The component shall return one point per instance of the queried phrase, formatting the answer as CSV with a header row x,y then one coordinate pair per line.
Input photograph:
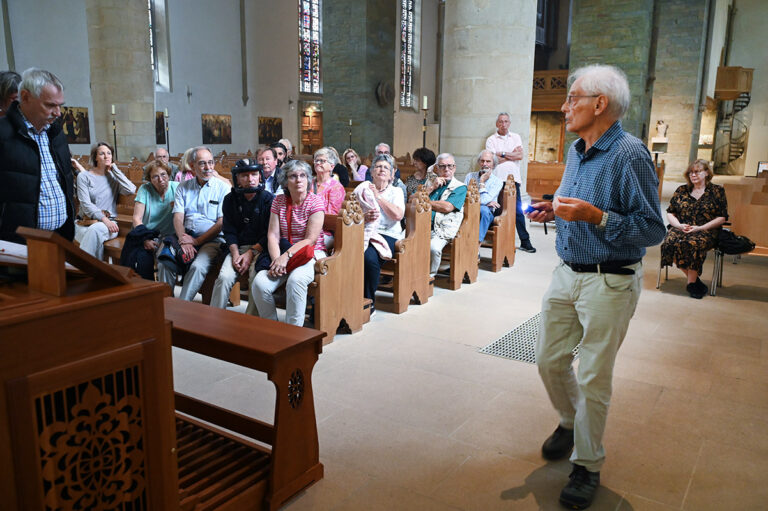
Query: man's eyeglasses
x,y
445,166
569,98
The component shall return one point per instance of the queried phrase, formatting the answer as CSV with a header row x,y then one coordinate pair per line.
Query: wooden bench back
x,y
338,284
748,210
463,248
543,179
410,263
502,231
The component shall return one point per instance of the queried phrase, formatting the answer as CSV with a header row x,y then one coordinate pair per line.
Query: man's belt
x,y
615,267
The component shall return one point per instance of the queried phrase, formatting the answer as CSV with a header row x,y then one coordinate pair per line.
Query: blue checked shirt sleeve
x,y
643,225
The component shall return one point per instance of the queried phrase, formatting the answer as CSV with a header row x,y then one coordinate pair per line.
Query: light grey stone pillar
x,y
487,69
121,75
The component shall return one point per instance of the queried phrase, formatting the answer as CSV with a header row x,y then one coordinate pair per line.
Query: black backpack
x,y
731,243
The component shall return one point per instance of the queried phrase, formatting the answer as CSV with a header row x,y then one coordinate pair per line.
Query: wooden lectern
x,y
87,416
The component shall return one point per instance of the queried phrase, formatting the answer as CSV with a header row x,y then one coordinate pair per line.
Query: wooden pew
x,y
462,250
748,212
501,235
543,179
287,354
104,383
409,267
338,285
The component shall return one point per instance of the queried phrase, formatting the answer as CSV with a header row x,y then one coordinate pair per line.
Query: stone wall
x,y
618,34
681,26
356,57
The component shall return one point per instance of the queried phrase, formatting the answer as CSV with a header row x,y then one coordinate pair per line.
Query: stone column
x,y
121,75
487,69
618,33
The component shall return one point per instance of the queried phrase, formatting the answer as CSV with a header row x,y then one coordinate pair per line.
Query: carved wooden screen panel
x,y
81,437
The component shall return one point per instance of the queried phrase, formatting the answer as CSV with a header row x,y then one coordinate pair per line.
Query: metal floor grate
x,y
519,343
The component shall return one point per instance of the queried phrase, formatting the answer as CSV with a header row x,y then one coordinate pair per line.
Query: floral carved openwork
x,y
296,388
91,444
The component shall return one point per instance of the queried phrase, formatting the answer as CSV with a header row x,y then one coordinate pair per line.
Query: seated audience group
x,y
267,223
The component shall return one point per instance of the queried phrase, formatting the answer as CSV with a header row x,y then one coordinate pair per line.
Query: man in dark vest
x,y
35,163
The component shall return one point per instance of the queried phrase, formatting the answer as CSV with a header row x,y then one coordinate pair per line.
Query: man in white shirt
x,y
197,219
508,148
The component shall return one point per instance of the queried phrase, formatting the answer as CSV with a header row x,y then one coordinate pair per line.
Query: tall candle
x,y
113,109
166,112
350,122
424,103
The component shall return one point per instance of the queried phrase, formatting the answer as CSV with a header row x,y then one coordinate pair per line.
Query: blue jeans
x,y
372,268
486,217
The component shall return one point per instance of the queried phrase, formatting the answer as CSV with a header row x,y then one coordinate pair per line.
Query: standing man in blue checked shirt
x,y
35,166
606,211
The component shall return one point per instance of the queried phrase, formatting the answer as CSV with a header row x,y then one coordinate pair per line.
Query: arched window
x,y
310,28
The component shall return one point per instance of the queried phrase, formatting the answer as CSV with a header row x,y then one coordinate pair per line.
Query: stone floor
x,y
411,416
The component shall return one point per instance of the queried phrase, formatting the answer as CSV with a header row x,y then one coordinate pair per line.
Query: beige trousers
x,y
593,309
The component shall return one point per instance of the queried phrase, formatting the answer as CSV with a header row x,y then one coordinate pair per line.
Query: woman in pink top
x,y
354,165
185,171
305,210
331,191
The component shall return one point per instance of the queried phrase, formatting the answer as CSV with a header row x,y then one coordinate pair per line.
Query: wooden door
x,y
311,131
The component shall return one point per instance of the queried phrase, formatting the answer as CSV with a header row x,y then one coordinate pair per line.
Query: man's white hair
x,y
609,81
33,80
444,156
493,156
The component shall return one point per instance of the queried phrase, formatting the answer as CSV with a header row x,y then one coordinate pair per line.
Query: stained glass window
x,y
407,8
151,36
309,46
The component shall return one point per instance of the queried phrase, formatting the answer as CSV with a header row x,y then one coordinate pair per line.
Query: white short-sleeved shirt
x,y
387,226
505,144
201,205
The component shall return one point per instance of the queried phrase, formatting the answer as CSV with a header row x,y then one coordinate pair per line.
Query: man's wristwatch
x,y
603,221
503,154
289,253
254,252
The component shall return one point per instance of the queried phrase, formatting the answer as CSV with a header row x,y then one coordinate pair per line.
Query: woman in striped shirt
x,y
296,221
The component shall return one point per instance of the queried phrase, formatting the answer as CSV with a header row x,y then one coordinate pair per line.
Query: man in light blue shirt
x,y
607,212
489,186
197,221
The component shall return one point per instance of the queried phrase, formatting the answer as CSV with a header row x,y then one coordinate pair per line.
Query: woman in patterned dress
x,y
695,213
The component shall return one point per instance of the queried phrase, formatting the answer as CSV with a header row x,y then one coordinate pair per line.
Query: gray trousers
x,y
296,283
195,276
436,246
226,280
